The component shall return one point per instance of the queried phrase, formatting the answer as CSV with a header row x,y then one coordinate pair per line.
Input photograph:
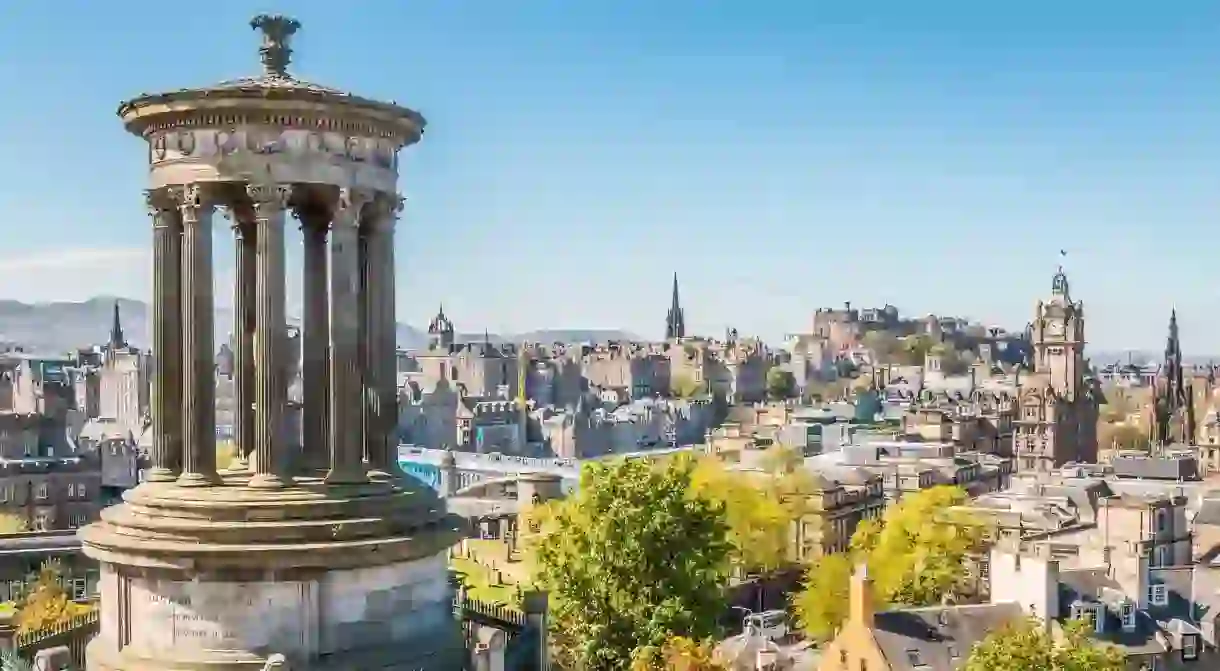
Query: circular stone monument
x,y
317,548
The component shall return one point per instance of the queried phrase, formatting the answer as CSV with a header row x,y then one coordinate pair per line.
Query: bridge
x,y
424,464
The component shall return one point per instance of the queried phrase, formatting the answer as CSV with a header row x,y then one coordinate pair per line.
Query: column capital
x,y
349,204
192,199
268,198
159,200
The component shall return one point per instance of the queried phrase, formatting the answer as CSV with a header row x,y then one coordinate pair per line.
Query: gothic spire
x,y
117,341
675,323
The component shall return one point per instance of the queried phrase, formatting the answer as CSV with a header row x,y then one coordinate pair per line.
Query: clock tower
x,y
1058,340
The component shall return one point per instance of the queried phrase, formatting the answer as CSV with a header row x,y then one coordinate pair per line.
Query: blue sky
x,y
779,156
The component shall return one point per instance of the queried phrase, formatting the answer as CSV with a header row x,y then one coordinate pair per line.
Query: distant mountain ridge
x,y
58,327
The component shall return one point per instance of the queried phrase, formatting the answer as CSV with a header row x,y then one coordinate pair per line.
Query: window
x,y
1161,522
80,590
81,491
71,490
1128,615
1190,647
843,658
914,658
953,653
42,491
1158,595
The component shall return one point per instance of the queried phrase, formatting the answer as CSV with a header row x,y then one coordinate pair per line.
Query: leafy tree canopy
x,y
822,605
1027,645
757,524
679,654
684,386
46,605
917,553
631,560
781,384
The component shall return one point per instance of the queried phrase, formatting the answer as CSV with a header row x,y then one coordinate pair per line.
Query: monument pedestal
x,y
331,577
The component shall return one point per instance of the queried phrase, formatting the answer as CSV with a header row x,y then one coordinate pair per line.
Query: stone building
x,y
834,503
44,481
1059,401
1173,403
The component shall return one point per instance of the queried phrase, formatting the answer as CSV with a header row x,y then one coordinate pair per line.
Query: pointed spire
x,y
675,323
117,341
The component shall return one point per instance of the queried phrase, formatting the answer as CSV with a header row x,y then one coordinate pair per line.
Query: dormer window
x,y
1128,616
1158,595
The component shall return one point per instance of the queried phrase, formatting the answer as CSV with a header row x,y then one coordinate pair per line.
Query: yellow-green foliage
x,y
226,452
631,560
917,554
1027,645
11,524
679,654
758,524
46,605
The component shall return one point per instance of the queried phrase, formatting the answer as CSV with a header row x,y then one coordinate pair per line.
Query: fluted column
x,y
270,386
198,354
245,235
346,399
380,334
315,341
166,454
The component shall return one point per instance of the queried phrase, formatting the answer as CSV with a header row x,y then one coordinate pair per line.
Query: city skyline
x,y
936,158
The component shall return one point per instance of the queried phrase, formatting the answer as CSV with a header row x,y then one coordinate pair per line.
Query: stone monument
x,y
327,554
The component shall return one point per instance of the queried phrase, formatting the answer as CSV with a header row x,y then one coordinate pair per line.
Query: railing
x,y
495,615
75,634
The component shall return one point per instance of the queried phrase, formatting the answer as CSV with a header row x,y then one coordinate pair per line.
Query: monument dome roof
x,y
274,86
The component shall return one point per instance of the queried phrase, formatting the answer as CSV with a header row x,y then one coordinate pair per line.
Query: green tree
x,y
631,560
679,654
885,346
920,551
683,386
46,605
821,605
915,349
781,384
1027,645
757,524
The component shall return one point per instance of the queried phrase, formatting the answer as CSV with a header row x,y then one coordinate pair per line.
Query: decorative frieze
x,y
207,143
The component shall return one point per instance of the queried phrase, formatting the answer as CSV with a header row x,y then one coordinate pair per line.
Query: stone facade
x,y
1059,402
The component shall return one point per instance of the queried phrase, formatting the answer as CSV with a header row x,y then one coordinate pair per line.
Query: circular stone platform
x,y
331,577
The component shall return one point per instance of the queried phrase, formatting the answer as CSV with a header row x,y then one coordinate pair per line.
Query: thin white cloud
x,y
69,259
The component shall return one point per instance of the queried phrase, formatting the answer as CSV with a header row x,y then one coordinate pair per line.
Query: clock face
x,y
1055,328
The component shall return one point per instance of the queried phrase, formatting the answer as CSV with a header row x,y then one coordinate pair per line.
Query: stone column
x,y
315,343
380,334
166,454
270,386
245,235
346,399
198,353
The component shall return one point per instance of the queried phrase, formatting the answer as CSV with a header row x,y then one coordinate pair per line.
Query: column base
x,y
349,578
160,475
268,481
198,479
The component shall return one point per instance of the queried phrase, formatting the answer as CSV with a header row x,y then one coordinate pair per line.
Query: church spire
x,y
117,341
675,323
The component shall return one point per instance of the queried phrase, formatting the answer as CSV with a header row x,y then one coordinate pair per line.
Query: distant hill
x,y
62,326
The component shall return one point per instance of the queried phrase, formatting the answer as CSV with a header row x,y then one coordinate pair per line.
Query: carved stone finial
x,y
276,52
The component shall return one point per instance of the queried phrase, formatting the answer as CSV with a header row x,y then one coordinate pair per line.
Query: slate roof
x,y
938,637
